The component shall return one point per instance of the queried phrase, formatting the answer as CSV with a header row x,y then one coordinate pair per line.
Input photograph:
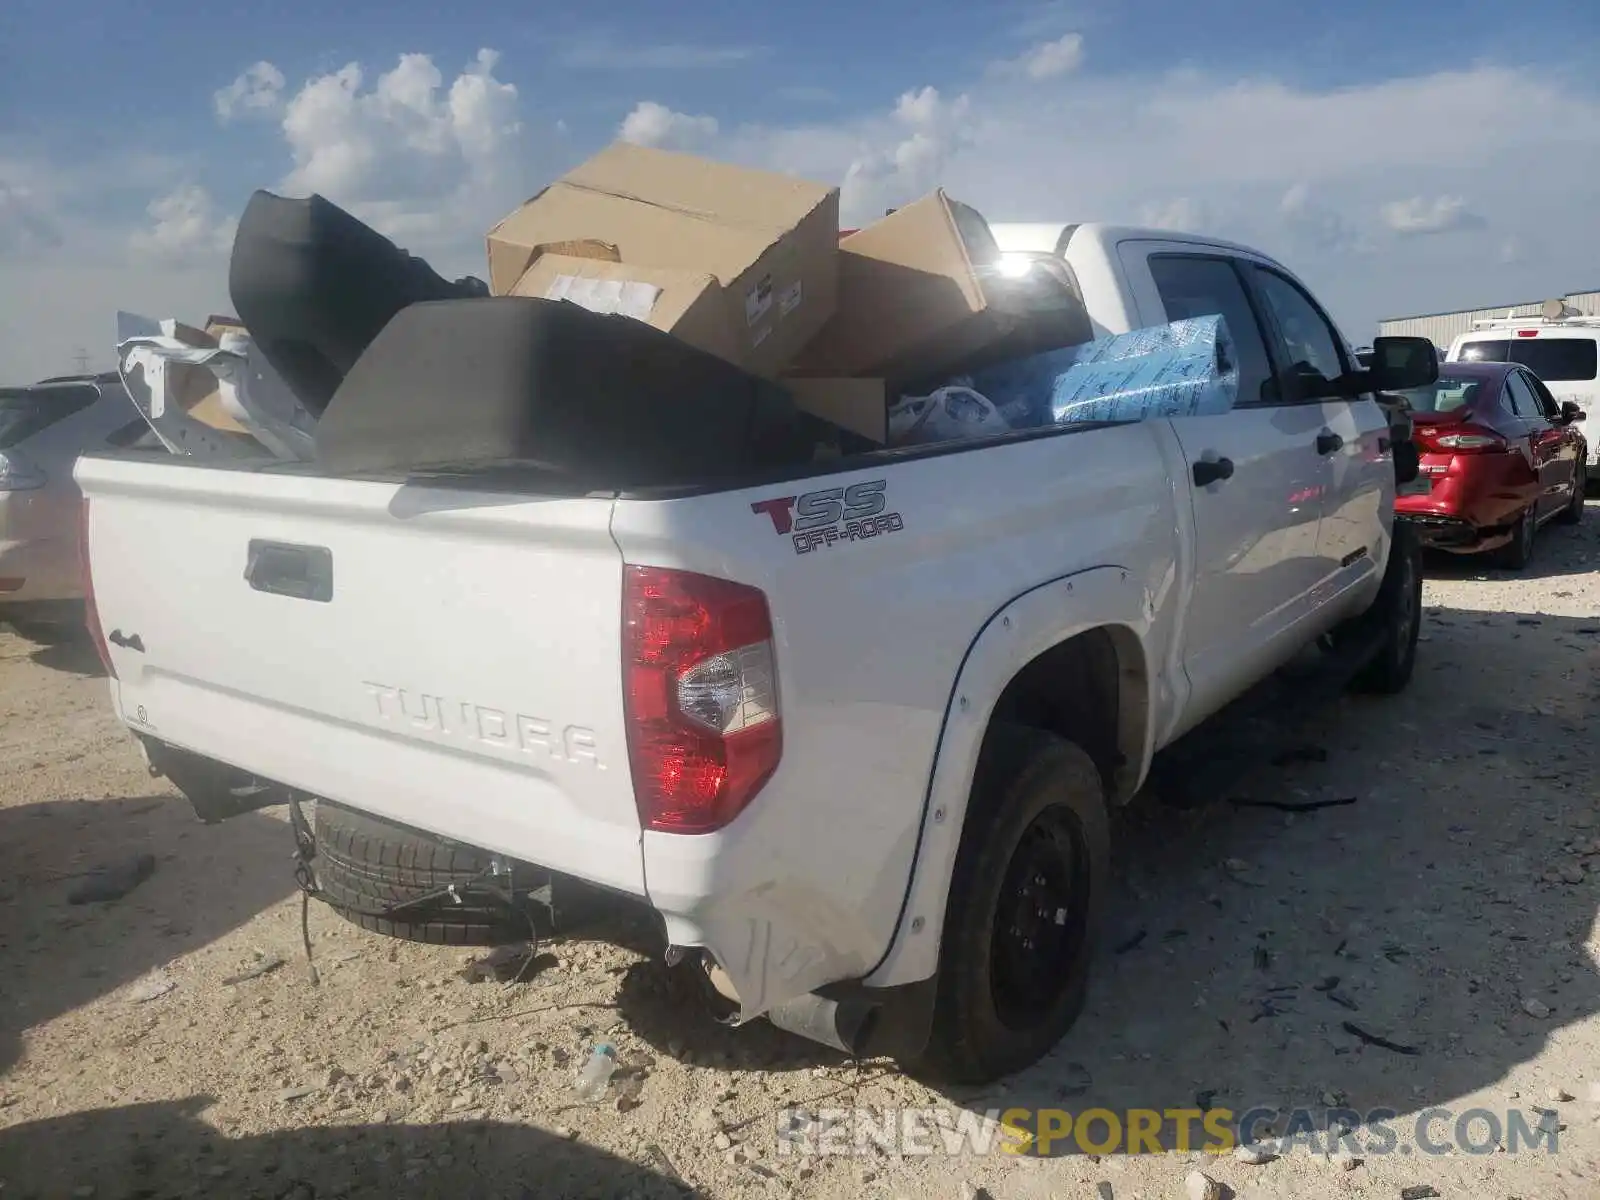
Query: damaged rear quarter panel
x,y
808,884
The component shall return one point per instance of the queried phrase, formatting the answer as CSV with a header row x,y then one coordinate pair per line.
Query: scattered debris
x,y
266,966
1200,1186
505,964
1256,1153
1419,1191
1326,984
114,881
152,987
1104,1191
1204,1100
1075,1080
1373,1039
1559,1095
1133,942
1343,1001
1536,1008
1295,806
289,1094
1344,1160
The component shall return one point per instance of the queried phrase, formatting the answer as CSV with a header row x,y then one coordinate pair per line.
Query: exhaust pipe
x,y
843,1025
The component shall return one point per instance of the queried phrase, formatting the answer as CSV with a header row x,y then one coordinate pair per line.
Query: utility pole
x,y
82,359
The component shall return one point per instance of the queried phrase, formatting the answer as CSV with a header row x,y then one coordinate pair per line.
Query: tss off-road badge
x,y
832,515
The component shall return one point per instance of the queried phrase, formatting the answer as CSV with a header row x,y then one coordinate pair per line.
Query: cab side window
x,y
1204,286
1521,396
1547,402
1305,337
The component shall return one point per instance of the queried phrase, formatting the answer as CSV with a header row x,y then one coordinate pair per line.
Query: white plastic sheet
x,y
150,357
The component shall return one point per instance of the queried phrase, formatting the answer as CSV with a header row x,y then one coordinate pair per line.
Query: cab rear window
x,y
1554,360
27,411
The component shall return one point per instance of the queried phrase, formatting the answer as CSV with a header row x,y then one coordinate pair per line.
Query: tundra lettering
x,y
428,714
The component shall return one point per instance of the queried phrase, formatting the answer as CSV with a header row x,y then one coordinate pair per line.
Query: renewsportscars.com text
x,y
1046,1131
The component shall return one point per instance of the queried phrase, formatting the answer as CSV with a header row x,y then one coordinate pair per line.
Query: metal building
x,y
1442,328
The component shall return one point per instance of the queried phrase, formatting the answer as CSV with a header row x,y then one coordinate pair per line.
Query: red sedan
x,y
1500,457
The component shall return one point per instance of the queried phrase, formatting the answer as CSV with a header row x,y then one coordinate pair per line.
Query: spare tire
x,y
365,866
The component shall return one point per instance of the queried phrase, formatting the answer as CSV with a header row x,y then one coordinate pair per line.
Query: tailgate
x,y
447,659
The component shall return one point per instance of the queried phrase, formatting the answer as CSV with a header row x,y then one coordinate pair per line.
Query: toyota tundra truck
x,y
854,734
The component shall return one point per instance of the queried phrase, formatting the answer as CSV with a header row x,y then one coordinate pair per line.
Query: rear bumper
x,y
39,570
1457,535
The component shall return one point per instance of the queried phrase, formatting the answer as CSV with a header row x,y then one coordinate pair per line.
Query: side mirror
x,y
1402,363
1570,412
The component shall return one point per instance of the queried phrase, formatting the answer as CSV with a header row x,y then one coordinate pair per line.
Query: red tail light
x,y
701,690
91,614
1459,439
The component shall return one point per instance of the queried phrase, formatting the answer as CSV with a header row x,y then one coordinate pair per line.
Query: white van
x,y
1562,347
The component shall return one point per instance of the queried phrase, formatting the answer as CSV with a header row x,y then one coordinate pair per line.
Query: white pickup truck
x,y
852,735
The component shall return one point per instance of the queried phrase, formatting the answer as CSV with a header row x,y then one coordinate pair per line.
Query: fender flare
x,y
1013,636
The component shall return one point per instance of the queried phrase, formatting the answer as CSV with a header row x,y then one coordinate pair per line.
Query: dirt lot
x,y
1454,900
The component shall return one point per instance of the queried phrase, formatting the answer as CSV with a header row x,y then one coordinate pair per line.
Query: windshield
x,y
1554,360
26,411
1444,395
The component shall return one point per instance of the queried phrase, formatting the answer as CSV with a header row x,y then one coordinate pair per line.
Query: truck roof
x,y
1051,237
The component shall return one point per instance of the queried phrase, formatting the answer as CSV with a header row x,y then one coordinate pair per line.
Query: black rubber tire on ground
x,y
1027,783
364,865
1572,514
1518,552
1398,613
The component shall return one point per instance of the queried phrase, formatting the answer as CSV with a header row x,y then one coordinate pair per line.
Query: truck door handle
x,y
1328,442
285,569
128,641
1212,470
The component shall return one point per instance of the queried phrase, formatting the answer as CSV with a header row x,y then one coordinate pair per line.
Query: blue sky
x,y
1401,156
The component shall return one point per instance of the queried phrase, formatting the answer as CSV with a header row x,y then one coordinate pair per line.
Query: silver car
x,y
44,427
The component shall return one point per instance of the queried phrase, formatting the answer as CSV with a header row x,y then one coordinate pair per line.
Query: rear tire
x,y
1398,612
1029,881
365,865
1518,552
1572,514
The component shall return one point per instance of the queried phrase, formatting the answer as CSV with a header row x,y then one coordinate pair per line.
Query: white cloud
x,y
1415,216
186,227
258,91
25,222
652,124
356,144
907,156
1046,60
1312,225
1183,214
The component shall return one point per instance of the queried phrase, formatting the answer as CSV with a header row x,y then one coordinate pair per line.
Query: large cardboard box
x,y
690,305
919,291
771,241
859,405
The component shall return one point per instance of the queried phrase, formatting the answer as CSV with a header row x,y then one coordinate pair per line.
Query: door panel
x,y
1256,564
1351,437
1544,442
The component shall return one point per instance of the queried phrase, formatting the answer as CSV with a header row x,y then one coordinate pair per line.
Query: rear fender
x,y
1102,598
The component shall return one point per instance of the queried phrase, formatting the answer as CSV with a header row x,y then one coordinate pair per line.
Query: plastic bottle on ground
x,y
595,1076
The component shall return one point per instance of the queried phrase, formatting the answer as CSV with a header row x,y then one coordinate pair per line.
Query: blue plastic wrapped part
x,y
1184,369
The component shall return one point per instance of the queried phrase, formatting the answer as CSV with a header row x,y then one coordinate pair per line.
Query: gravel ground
x,y
1454,900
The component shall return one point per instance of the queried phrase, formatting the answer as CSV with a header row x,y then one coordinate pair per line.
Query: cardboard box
x,y
859,405
770,241
919,291
686,304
